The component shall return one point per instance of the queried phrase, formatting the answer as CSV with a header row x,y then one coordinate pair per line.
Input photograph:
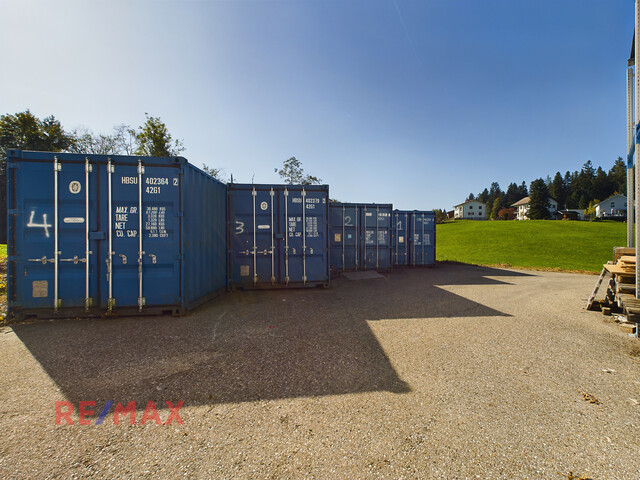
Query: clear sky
x,y
415,103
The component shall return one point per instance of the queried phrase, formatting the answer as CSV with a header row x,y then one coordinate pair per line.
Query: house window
x,y
613,204
470,207
470,213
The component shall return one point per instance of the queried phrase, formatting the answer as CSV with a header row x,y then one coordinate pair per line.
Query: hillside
x,y
542,244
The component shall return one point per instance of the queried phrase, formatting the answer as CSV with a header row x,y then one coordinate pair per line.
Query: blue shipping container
x,y
95,234
414,237
278,235
360,236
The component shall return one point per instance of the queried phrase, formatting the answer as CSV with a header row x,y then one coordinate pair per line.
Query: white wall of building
x,y
471,210
616,206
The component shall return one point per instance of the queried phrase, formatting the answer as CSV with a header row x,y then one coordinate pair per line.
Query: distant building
x,y
522,208
614,206
571,214
471,210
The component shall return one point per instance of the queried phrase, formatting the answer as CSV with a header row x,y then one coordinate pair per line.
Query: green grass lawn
x,y
545,244
3,251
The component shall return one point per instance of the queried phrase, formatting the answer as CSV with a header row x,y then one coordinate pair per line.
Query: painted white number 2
x,y
175,181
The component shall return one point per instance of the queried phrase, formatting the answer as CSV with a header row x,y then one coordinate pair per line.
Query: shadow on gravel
x,y
249,346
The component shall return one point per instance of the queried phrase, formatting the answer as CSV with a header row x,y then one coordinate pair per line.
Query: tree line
x,y
581,189
25,131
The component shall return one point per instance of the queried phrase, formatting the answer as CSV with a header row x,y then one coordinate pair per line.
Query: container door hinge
x,y
13,211
180,300
179,214
179,257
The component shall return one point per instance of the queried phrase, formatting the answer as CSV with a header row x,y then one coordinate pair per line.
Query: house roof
x,y
527,200
469,201
612,196
522,201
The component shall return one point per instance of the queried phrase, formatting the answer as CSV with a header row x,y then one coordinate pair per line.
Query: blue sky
x,y
415,103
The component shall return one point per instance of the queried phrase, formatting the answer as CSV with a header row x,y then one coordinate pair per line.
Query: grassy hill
x,y
561,245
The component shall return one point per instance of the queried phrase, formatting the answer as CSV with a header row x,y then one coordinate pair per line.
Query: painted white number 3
x,y
239,227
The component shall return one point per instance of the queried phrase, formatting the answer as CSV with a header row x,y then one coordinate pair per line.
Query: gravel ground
x,y
454,372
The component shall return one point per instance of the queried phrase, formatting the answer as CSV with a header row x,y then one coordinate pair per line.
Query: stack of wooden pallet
x,y
627,263
620,295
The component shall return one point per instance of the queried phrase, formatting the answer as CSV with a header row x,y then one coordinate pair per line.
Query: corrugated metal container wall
x,y
93,234
414,237
278,235
360,236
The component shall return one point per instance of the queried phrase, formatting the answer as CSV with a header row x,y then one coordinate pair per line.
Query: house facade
x,y
522,208
614,206
471,210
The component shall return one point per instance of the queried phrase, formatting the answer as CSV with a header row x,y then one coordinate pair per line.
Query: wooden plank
x,y
625,288
628,259
617,270
620,251
595,289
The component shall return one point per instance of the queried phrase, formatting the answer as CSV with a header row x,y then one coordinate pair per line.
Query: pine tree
x,y
539,200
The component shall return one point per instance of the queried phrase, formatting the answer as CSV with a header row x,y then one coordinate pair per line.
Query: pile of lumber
x,y
620,294
627,263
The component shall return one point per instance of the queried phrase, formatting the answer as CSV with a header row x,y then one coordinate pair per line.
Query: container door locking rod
x,y
57,167
111,302
141,299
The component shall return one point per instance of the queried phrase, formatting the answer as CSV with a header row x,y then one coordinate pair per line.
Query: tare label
x,y
125,219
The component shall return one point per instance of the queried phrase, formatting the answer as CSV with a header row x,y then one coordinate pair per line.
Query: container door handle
x,y
75,260
44,260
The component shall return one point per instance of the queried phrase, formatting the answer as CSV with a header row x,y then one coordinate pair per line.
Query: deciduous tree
x,y
293,173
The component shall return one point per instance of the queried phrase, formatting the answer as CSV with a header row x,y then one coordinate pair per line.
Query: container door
x,y
400,238
423,238
293,259
344,237
58,214
252,236
143,233
77,256
314,236
377,237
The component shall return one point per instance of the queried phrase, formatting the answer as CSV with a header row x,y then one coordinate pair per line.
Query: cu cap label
x,y
75,187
